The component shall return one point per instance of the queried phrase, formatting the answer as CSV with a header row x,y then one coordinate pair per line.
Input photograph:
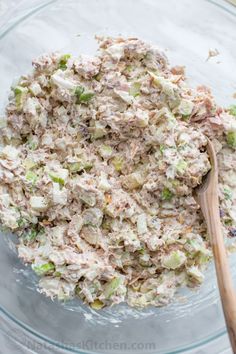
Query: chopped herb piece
x,y
166,194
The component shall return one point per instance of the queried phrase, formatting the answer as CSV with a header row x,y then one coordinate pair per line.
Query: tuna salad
x,y
99,158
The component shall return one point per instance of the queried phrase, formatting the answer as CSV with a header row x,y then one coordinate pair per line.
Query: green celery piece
x,y
129,68
97,304
186,116
86,96
135,89
57,179
228,222
77,290
21,222
111,287
78,91
57,274
228,193
166,194
20,93
106,224
29,164
18,90
80,166
105,151
174,260
75,167
31,177
231,139
98,77
141,250
118,162
32,145
44,268
82,95
232,110
63,61
181,166
162,148
31,235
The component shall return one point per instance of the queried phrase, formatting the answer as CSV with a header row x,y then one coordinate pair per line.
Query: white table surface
x,y
7,346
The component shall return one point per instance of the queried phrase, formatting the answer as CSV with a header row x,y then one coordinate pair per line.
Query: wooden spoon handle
x,y
210,208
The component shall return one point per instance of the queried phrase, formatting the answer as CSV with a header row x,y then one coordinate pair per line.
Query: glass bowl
x,y
186,29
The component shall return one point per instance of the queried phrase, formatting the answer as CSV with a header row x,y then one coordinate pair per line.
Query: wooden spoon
x,y
207,197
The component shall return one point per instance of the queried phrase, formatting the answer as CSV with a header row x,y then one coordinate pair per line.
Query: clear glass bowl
x,y
187,29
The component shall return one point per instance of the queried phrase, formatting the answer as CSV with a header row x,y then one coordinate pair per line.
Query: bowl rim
x,y
7,26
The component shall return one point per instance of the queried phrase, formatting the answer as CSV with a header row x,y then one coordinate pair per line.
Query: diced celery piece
x,y
80,166
167,87
99,130
232,110
228,193
20,96
185,107
63,61
162,148
111,287
231,139
196,274
31,235
86,96
129,68
59,176
105,151
78,91
181,166
21,222
98,77
135,89
186,116
118,163
77,290
166,194
173,260
32,144
57,274
97,304
29,164
82,95
44,268
57,179
31,177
